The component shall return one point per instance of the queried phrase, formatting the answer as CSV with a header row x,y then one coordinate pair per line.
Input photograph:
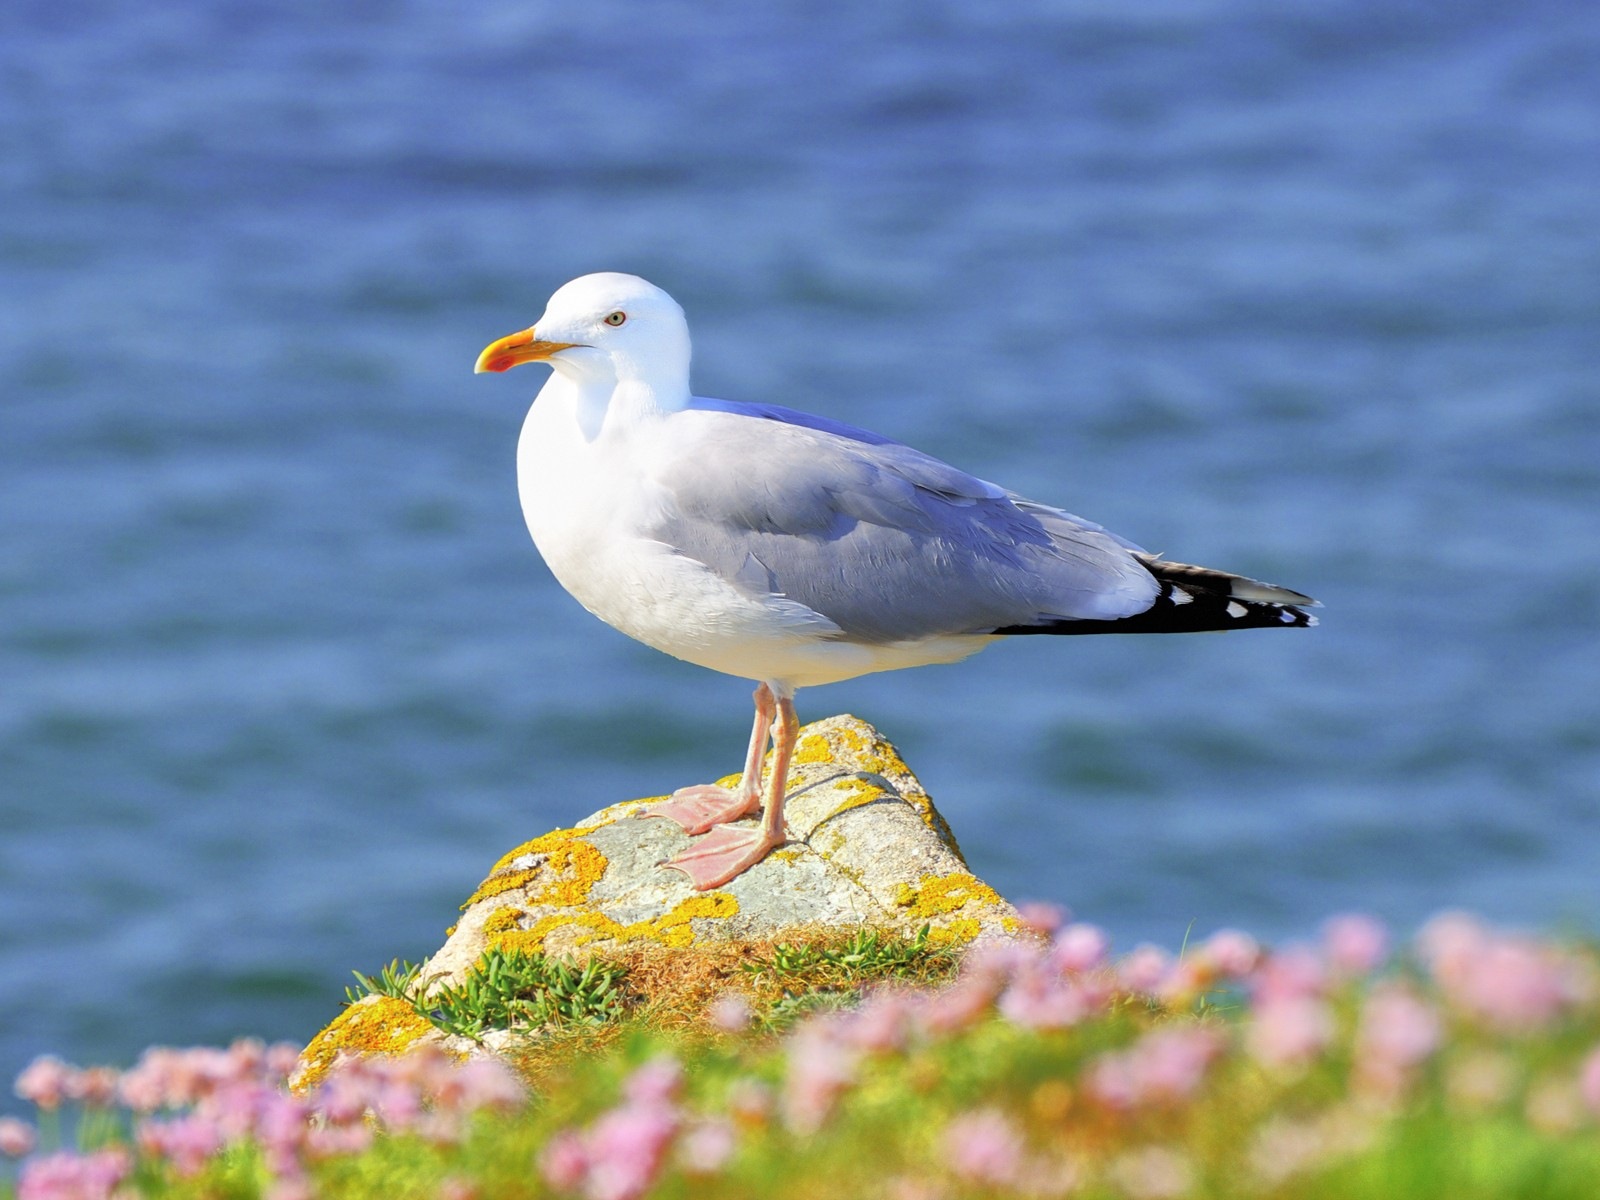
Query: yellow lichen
x,y
376,1025
859,792
936,895
669,929
962,929
571,865
502,920
813,748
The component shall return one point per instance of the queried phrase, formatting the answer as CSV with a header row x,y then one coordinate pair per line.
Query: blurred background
x,y
1305,290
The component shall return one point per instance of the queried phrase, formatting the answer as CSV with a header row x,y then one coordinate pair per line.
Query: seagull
x,y
795,550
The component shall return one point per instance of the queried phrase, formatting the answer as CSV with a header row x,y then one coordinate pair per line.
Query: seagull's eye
x,y
616,318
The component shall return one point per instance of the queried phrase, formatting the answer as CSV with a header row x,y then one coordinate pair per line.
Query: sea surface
x,y
1305,290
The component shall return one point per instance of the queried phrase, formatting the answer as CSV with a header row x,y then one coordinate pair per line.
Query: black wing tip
x,y
1178,609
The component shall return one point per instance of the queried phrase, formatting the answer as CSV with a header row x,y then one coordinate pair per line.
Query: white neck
x,y
610,391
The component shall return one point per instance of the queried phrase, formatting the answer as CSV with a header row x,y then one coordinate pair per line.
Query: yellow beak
x,y
516,349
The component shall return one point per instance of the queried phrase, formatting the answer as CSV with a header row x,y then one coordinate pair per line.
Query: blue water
x,y
1309,291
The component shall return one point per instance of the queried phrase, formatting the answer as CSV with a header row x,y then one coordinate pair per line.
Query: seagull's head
x,y
604,328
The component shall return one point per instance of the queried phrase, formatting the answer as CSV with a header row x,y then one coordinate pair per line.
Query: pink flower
x,y
68,1176
1080,947
1296,972
707,1147
1041,917
93,1086
659,1081
731,1013
1165,1066
992,961
337,1141
1397,1027
1036,1000
1589,1081
882,1023
1289,1032
1145,970
187,1143
984,1148
1449,943
16,1137
821,1069
564,1162
959,1006
43,1082
1510,983
1231,954
1398,1031
478,1083
1355,944
625,1149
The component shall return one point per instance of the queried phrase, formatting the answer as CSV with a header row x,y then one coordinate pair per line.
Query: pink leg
x,y
700,807
729,850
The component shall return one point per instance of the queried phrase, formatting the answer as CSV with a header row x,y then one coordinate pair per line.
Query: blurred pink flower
x,y
43,1082
1354,944
1232,954
1040,1000
984,1147
95,1087
564,1162
1589,1081
68,1176
1041,917
1080,947
993,961
1398,1032
185,1142
625,1149
1449,943
338,1141
820,1071
658,1081
731,1013
962,1004
478,1083
1144,970
16,1137
707,1146
288,1187
1510,983
1165,1066
882,1022
1295,972
1289,1031
1397,1027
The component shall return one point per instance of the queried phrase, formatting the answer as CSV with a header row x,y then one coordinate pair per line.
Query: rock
x,y
867,848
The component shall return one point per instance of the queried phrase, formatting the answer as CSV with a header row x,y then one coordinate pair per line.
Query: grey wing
x,y
887,542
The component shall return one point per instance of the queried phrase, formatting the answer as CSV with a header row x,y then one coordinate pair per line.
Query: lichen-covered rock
x,y
866,847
